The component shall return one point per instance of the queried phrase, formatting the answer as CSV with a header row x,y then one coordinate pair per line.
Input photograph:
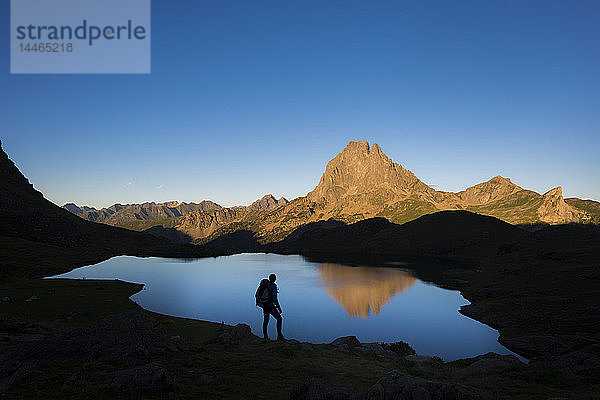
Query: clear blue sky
x,y
254,97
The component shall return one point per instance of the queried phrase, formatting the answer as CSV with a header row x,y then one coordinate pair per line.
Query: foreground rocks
x,y
491,363
572,352
129,338
146,377
396,385
235,333
348,343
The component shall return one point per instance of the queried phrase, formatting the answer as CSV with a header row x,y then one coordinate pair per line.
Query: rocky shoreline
x,y
124,351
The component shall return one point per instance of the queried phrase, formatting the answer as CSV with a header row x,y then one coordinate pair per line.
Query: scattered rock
x,y
398,385
317,391
129,337
225,337
71,382
586,358
374,348
57,324
180,343
350,341
420,393
240,331
16,373
490,363
545,345
432,367
149,377
27,337
343,347
307,347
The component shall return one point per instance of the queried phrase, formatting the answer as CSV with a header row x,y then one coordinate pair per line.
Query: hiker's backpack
x,y
262,293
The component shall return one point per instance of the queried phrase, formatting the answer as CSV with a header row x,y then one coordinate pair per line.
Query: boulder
x,y
350,341
237,332
490,363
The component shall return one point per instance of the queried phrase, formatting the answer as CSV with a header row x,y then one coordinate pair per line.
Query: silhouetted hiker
x,y
266,297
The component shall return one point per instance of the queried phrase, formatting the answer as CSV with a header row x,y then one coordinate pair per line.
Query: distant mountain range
x,y
38,238
360,182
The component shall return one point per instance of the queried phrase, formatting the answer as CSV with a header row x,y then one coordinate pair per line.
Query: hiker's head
x,y
272,278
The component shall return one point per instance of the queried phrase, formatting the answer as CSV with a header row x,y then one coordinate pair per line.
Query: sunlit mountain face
x,y
363,291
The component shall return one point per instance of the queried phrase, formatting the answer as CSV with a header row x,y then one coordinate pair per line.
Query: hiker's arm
x,y
273,290
276,300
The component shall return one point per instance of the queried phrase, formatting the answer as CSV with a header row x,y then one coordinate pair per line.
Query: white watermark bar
x,y
80,36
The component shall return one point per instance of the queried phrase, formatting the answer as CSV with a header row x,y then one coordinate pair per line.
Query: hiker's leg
x,y
266,316
279,322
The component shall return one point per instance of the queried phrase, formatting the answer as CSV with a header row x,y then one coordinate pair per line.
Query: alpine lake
x,y
320,301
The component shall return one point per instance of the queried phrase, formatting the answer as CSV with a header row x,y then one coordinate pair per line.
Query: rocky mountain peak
x,y
362,149
267,203
554,209
361,169
501,179
554,193
492,190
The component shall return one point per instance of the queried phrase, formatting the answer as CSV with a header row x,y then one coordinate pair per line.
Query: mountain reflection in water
x,y
360,290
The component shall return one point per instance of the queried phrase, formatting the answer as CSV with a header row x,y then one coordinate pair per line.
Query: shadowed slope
x,y
37,237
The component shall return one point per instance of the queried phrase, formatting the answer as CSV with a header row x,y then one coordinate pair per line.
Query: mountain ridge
x,y
358,183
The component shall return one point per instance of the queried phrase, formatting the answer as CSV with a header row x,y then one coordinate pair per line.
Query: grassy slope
x,y
142,225
518,208
590,206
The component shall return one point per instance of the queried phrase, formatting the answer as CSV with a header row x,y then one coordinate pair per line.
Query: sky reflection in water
x,y
320,301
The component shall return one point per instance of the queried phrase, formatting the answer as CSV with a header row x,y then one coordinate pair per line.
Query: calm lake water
x,y
320,301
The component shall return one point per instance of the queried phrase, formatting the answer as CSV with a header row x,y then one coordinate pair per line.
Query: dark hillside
x,y
446,233
37,237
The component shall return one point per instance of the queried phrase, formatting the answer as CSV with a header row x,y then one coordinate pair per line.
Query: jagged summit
x,y
556,192
554,209
359,169
360,182
267,203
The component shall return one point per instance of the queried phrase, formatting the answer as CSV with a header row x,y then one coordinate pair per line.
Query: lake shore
x,y
212,367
